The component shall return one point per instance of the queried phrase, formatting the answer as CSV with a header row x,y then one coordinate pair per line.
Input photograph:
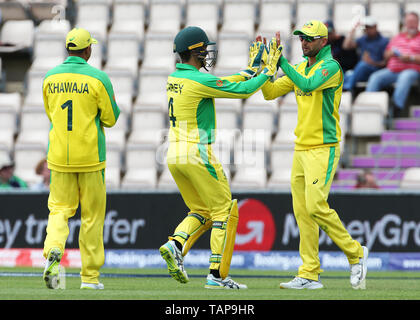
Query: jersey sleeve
x,y
280,87
329,75
109,111
45,99
234,78
215,87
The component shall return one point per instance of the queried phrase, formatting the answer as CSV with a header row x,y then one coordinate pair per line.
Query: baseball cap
x,y
312,28
369,21
5,161
190,38
81,39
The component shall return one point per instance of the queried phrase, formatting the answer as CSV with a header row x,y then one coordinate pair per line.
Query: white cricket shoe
x,y
358,271
301,283
226,283
92,286
174,260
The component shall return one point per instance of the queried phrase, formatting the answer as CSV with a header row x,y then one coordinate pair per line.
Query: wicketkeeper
x,y
196,170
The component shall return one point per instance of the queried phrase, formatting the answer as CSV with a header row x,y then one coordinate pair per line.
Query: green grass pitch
x,y
147,284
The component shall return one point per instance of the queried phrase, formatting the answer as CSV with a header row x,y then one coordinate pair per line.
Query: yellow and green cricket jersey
x,y
191,96
318,91
79,101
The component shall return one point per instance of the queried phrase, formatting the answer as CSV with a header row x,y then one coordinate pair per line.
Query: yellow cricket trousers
x,y
205,190
67,189
312,174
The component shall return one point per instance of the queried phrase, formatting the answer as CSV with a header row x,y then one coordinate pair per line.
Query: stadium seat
x,y
94,16
139,178
26,158
113,158
113,167
307,10
227,124
223,152
281,156
257,99
158,52
275,15
287,120
34,127
140,156
388,13
166,181
148,126
226,117
123,85
279,179
112,178
239,16
165,16
369,112
13,10
45,10
411,179
49,51
18,32
33,90
411,5
140,167
259,122
97,55
204,14
123,53
249,178
152,89
116,136
60,27
8,127
249,154
346,13
295,54
233,51
13,100
129,16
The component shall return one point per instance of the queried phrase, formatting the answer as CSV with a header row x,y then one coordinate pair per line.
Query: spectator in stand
x,y
347,58
402,56
371,48
366,180
7,178
42,170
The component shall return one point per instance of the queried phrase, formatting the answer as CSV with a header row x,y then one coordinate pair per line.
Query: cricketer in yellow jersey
x,y
317,83
196,170
79,101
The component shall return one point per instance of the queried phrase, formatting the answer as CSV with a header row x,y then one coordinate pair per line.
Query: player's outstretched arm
x,y
326,76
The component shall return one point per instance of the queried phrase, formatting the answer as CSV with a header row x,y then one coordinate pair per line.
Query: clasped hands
x,y
263,59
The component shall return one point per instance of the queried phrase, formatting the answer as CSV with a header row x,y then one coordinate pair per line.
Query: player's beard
x,y
312,52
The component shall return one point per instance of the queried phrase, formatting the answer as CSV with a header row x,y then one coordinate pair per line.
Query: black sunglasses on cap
x,y
309,39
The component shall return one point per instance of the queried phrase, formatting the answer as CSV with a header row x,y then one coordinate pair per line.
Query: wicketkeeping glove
x,y
273,59
256,51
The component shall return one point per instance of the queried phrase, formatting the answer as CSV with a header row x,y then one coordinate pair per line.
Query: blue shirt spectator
x,y
371,48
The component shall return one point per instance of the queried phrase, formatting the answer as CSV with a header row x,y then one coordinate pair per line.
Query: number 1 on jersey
x,y
69,105
172,118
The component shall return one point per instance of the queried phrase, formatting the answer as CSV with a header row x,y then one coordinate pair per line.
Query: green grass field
x,y
146,284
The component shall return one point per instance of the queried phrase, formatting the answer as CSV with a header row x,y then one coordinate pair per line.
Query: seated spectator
x,y
366,180
346,58
371,48
402,56
42,170
7,179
